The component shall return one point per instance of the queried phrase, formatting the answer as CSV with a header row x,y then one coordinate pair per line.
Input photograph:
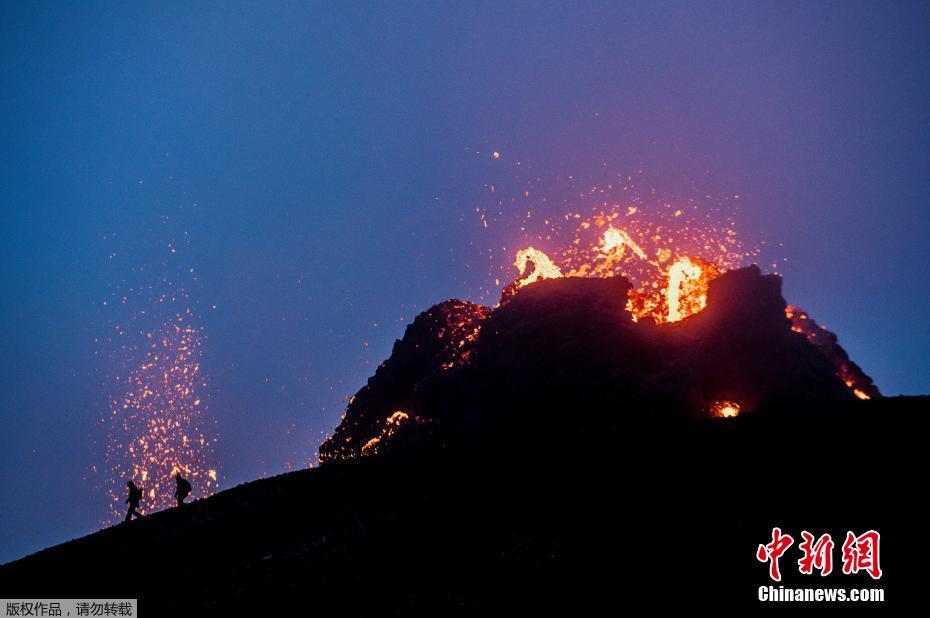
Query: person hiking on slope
x,y
135,495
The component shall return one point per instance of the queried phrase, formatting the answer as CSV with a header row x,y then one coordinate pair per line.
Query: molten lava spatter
x,y
159,426
725,409
463,323
156,411
391,425
543,267
670,261
670,275
687,288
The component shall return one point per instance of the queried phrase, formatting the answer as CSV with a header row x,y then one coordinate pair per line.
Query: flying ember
x,y
158,424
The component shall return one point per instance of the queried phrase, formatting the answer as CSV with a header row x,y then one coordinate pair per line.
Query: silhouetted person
x,y
183,490
135,494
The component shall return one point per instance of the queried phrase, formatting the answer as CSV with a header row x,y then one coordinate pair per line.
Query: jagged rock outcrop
x,y
562,355
439,339
828,343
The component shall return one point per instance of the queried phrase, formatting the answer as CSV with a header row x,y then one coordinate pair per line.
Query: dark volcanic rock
x,y
437,340
828,343
741,347
563,355
623,515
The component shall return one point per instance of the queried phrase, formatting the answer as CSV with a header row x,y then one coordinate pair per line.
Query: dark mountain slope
x,y
550,454
663,515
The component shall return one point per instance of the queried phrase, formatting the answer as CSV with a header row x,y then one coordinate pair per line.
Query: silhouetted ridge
x,y
437,340
561,355
827,342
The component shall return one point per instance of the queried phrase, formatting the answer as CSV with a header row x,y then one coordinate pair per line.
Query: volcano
x,y
563,355
552,452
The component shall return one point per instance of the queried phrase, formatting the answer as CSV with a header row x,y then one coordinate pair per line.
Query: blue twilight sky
x,y
320,166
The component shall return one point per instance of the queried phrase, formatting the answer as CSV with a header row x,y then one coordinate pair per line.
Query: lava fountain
x,y
159,427
669,267
670,260
725,409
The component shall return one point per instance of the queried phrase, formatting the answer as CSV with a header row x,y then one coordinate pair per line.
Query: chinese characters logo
x,y
859,553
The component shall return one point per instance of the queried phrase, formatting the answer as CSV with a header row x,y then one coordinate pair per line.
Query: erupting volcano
x,y
657,319
463,309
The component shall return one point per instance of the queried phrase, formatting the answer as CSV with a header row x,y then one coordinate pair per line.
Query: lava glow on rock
x,y
725,409
848,371
391,425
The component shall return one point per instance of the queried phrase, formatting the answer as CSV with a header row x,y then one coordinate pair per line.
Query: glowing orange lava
x,y
725,409
616,241
669,285
463,325
391,425
543,266
682,275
